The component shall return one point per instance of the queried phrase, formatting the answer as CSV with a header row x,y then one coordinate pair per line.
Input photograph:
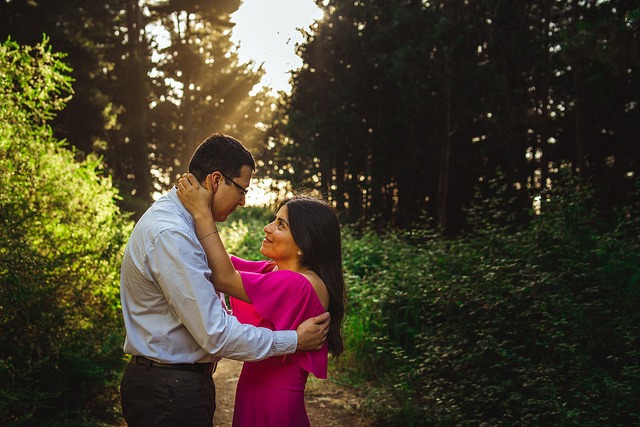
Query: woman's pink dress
x,y
271,392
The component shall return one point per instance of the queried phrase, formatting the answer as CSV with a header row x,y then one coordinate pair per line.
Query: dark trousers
x,y
154,397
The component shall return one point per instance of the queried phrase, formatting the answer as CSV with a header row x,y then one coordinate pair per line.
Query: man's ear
x,y
213,179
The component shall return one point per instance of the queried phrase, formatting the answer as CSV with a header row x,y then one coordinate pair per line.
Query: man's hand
x,y
312,333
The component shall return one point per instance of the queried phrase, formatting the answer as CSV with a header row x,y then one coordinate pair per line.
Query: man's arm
x,y
182,273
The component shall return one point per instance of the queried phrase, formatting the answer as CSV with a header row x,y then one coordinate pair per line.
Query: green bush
x,y
531,327
536,326
61,239
243,232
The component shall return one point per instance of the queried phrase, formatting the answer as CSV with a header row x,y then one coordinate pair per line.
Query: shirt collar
x,y
173,195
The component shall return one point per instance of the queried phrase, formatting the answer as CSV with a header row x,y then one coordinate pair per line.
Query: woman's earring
x,y
299,253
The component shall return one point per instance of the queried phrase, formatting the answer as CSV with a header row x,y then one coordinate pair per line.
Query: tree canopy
x,y
400,110
403,108
152,80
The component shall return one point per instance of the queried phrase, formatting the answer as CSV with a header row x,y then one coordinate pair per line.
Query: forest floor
x,y
328,404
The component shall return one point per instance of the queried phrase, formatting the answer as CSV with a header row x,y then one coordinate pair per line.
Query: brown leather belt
x,y
199,368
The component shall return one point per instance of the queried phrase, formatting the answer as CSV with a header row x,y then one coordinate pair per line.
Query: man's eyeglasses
x,y
243,191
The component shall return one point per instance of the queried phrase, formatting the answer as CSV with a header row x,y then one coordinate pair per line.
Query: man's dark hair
x,y
221,153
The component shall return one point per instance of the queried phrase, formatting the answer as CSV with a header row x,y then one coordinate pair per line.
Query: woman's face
x,y
278,242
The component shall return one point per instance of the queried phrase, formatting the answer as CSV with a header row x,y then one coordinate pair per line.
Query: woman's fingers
x,y
186,181
190,178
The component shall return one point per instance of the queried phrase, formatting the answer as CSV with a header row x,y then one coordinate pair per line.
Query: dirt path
x,y
328,404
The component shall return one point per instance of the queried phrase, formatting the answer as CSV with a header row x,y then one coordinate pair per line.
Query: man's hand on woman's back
x,y
312,333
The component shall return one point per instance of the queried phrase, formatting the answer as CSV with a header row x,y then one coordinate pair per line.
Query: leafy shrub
x,y
61,238
242,234
535,326
503,326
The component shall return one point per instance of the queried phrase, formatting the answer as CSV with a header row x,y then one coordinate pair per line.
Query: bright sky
x,y
266,31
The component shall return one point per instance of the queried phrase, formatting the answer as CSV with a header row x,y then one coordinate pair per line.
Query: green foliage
x,y
504,326
61,238
536,326
34,83
243,234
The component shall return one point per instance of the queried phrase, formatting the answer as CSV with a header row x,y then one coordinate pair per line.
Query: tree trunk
x,y
445,151
580,119
136,108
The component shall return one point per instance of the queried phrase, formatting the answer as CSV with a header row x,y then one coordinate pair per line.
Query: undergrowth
x,y
531,325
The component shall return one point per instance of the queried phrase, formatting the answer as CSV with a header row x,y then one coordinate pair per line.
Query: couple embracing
x,y
287,311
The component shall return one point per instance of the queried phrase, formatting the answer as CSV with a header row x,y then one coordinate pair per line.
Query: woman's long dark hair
x,y
316,230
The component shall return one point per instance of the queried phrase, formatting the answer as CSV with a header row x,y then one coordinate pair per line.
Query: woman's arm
x,y
198,200
312,333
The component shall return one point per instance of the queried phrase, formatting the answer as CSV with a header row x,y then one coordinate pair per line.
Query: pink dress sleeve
x,y
281,300
252,266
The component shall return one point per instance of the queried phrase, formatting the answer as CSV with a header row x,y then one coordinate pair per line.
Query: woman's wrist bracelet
x,y
208,234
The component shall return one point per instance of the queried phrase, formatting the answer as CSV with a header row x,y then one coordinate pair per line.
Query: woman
x,y
303,279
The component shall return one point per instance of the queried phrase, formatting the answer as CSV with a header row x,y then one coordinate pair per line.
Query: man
x,y
177,327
